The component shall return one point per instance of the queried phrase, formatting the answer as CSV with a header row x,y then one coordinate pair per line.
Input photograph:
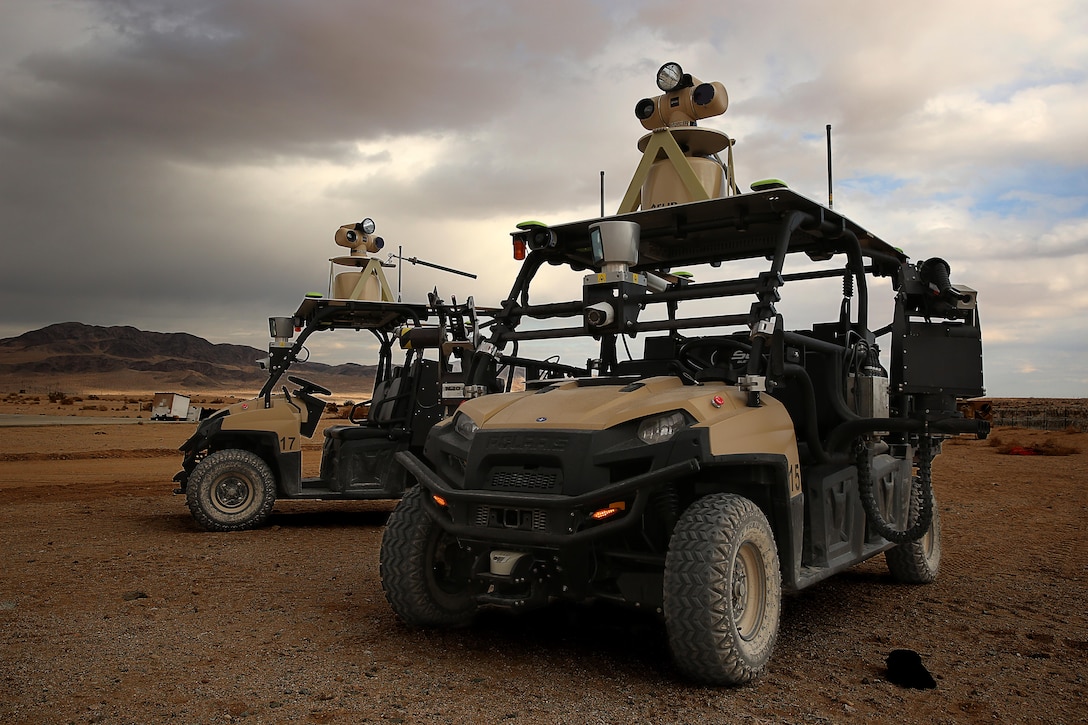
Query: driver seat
x,y
388,407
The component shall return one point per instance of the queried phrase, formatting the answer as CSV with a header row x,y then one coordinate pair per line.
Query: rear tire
x,y
419,565
723,591
917,562
231,490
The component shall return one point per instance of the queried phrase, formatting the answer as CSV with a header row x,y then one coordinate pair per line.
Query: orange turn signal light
x,y
439,500
609,511
519,248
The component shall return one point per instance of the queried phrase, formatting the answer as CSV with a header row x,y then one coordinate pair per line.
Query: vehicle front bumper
x,y
536,519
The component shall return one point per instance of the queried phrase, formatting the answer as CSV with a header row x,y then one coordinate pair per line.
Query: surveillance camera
x,y
600,315
359,237
685,100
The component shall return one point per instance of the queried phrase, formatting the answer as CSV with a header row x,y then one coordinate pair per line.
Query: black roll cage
x,y
769,224
382,319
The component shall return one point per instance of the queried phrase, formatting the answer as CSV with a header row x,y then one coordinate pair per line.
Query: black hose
x,y
842,434
921,490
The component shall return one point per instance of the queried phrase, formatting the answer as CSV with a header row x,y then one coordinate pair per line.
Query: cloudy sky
x,y
181,165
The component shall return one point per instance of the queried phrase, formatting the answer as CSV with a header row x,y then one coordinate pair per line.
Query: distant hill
x,y
74,357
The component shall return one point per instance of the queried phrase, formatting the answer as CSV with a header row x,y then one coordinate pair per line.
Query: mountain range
x,y
74,357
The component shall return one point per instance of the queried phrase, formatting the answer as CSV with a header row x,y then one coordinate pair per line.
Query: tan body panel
x,y
283,418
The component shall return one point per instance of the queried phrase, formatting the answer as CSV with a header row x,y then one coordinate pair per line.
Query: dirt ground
x,y
116,608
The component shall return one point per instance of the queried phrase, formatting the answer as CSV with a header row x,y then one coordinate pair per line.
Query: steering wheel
x,y
706,352
306,387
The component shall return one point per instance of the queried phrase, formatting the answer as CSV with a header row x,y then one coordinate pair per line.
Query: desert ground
x,y
116,608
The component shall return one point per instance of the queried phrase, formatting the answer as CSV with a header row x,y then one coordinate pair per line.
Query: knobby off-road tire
x,y
723,591
417,563
917,562
231,490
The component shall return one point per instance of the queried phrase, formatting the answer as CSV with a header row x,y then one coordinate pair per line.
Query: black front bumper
x,y
538,519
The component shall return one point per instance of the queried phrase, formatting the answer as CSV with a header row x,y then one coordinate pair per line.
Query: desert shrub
x,y
1046,448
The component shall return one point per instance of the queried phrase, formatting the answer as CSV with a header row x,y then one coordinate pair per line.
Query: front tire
x,y
917,562
723,591
421,568
231,490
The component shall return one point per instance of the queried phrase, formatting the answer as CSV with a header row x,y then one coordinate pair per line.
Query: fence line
x,y
1056,419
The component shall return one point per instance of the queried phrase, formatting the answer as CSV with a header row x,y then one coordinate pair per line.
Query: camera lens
x,y
703,94
645,108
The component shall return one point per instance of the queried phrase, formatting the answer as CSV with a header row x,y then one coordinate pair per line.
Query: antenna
x,y
602,193
415,260
830,197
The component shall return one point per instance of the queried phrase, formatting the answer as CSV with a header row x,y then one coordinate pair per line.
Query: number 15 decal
x,y
795,479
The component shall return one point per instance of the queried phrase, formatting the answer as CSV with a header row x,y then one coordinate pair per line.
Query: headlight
x,y
465,426
661,428
669,77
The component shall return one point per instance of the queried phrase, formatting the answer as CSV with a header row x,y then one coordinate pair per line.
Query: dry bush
x,y
1046,448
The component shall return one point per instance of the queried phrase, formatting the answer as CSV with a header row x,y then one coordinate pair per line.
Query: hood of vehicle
x,y
590,405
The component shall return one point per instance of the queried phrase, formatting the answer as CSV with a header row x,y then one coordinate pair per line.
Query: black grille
x,y
522,480
497,517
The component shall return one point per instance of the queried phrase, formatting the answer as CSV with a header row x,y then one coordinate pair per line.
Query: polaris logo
x,y
526,442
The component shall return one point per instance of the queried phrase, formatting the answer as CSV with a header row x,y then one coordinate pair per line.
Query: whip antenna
x,y
830,198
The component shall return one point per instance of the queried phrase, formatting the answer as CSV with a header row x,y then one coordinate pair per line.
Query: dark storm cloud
x,y
103,122
245,79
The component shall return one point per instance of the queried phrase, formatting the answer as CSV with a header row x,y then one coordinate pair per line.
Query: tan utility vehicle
x,y
708,456
243,457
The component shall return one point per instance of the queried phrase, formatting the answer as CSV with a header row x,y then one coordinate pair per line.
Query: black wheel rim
x,y
231,493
